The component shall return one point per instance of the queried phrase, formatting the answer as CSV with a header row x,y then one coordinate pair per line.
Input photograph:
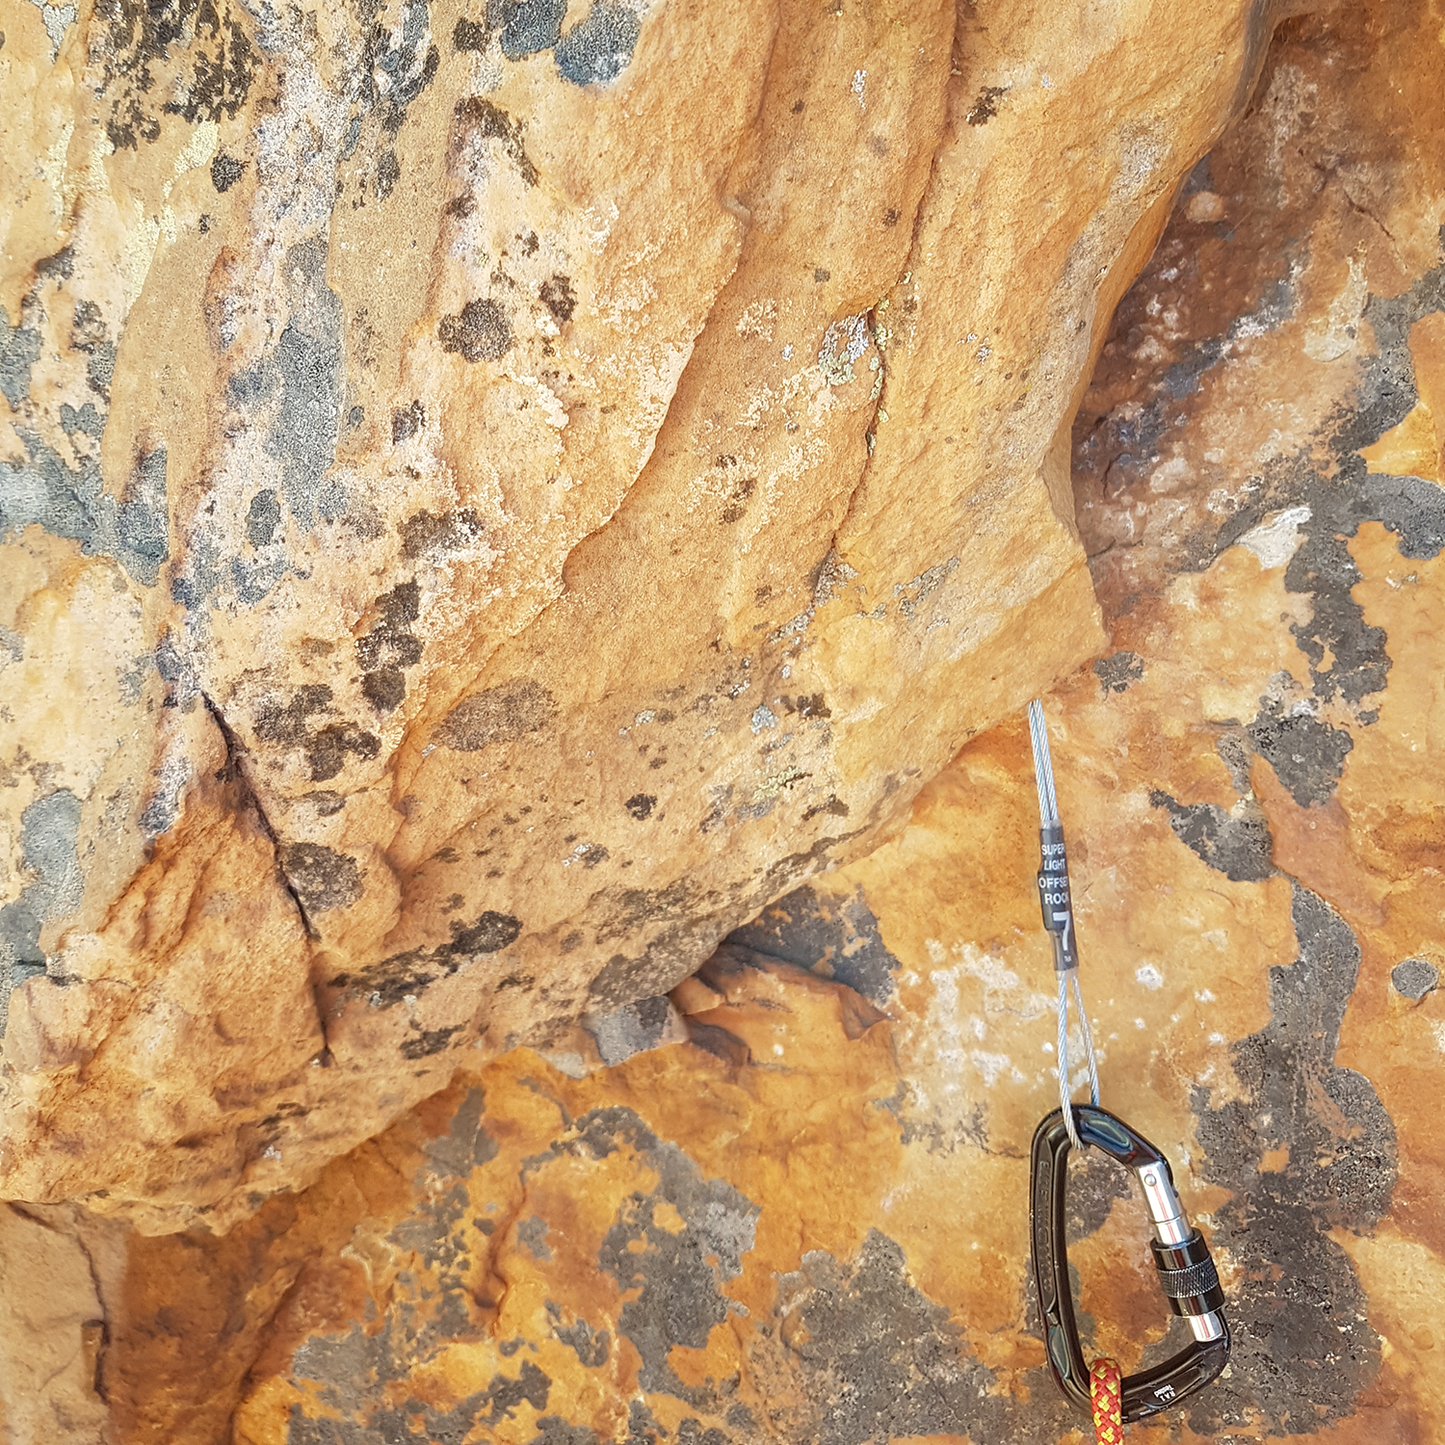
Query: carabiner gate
x,y
1186,1271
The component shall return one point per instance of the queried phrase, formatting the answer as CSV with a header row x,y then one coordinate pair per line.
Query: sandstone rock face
x,y
788,1201
492,500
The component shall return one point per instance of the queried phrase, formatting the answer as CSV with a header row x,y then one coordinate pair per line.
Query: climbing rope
x,y
1107,1396
1057,905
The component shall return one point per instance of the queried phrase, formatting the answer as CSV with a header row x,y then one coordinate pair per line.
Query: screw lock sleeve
x,y
1187,1275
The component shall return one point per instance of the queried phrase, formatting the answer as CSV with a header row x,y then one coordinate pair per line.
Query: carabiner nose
x,y
1181,1257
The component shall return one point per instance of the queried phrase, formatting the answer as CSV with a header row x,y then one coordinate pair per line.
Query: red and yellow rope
x,y
1108,1401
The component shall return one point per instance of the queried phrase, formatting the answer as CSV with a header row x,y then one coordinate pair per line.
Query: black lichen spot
x,y
1299,1324
388,173
385,688
835,937
407,421
391,979
820,275
426,535
890,216
498,715
986,106
640,805
263,517
491,122
479,332
1116,673
461,206
327,748
226,171
209,76
1307,755
1236,843
532,1236
1415,977
598,48
557,296
428,1042
321,878
474,35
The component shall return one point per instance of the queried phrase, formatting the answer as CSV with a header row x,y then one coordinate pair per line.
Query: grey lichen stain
x,y
499,715
1306,753
1413,978
298,387
327,747
599,47
880,1360
1237,843
1118,672
594,52
676,1276
1299,1323
49,843
837,938
632,1029
592,1347
68,497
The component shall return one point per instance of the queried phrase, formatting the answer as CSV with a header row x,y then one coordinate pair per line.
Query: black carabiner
x,y
1186,1271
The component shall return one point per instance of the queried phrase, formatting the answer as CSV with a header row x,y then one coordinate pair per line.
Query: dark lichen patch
x,y
985,107
19,351
388,981
498,715
471,35
1118,672
837,938
226,171
327,747
477,116
532,1236
466,1145
480,331
390,646
322,878
208,77
1413,978
388,172
640,805
557,296
599,47
1299,1321
425,535
1236,843
1307,754
554,1430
